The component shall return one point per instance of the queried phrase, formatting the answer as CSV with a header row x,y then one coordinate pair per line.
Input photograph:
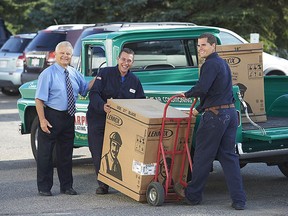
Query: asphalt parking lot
x,y
266,187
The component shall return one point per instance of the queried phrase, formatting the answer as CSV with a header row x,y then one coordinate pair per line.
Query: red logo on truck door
x,y
81,123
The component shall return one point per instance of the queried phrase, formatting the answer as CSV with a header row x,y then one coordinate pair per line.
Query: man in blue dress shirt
x,y
216,134
56,127
111,82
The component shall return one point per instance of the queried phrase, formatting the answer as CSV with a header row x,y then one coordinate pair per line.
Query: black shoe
x,y
238,206
102,190
190,202
44,193
69,191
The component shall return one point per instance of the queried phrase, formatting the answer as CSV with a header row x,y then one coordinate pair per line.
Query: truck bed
x,y
275,128
272,122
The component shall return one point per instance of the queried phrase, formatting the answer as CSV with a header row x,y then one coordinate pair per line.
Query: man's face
x,y
204,48
125,62
114,149
63,56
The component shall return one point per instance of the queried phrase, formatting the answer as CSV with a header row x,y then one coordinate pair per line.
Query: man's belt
x,y
215,109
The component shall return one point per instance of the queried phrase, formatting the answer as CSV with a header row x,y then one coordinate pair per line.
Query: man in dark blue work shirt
x,y
216,134
111,82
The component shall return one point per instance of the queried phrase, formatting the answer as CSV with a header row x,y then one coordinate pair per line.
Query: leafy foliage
x,y
268,18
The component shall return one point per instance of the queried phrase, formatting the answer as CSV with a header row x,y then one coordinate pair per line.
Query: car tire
x,y
10,92
284,168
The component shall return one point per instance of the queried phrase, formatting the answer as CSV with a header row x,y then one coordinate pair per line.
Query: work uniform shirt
x,y
214,87
109,84
51,87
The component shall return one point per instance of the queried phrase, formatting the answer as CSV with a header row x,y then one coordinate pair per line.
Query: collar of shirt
x,y
119,73
60,68
212,55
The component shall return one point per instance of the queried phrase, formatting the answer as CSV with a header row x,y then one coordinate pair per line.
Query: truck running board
x,y
260,154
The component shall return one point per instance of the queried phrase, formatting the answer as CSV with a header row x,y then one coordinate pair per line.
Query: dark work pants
x,y
62,137
216,138
96,127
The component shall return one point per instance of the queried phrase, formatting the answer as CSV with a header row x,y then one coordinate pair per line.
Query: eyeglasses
x,y
129,61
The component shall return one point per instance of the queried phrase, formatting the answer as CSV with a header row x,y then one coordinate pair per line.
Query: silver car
x,y
11,62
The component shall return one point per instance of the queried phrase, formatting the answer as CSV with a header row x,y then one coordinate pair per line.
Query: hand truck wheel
x,y
155,194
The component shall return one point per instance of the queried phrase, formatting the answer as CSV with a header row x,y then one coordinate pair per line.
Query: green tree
x,y
16,14
268,18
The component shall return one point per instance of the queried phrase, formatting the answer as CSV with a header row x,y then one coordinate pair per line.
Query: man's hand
x,y
107,108
194,112
45,125
182,94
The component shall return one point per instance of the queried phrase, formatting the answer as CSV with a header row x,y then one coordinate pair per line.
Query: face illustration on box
x,y
110,160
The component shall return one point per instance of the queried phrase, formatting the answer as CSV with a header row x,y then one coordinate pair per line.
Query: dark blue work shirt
x,y
214,87
109,84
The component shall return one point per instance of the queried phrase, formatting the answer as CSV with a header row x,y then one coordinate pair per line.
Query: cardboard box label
x,y
143,169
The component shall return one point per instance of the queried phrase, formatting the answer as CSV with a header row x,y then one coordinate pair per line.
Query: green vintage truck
x,y
166,62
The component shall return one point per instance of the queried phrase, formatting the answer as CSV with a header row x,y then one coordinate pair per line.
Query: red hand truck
x,y
156,192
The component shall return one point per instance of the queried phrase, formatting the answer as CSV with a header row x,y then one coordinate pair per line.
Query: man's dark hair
x,y
210,38
126,50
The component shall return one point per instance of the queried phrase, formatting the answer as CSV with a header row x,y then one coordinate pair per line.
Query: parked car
x,y
272,65
39,54
11,62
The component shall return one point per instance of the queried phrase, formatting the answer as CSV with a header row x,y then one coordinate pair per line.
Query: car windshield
x,y
39,43
227,38
15,45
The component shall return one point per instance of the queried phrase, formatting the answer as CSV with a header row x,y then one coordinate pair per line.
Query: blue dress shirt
x,y
51,87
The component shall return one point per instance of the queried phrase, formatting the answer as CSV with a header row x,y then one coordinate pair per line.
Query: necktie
x,y
70,96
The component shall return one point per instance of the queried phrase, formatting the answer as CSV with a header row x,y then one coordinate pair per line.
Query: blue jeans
x,y
216,138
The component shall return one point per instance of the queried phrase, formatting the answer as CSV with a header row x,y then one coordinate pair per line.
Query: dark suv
x,y
39,54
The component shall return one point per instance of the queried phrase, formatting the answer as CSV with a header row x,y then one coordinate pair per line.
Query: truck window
x,y
96,59
163,54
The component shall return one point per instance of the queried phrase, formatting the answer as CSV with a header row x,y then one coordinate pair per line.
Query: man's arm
x,y
44,124
91,83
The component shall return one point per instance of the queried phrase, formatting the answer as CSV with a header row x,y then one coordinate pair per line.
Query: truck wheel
x,y
242,165
284,168
34,143
155,194
10,91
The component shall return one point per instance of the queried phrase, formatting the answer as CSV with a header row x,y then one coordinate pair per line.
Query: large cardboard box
x,y
135,126
245,61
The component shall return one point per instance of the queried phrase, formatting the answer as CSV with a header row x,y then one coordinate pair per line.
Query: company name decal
x,y
164,99
156,133
232,60
115,119
81,123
